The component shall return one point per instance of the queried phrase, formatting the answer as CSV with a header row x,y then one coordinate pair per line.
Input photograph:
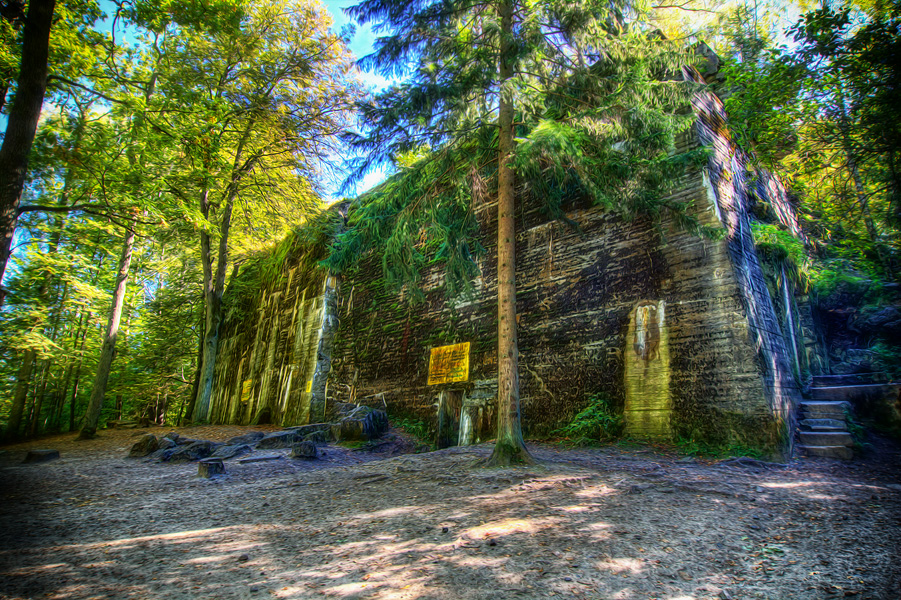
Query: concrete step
x,y
852,379
824,425
848,392
825,410
826,438
842,452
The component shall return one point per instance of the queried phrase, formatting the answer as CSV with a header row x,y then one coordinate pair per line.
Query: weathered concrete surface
x,y
850,392
648,402
268,358
715,365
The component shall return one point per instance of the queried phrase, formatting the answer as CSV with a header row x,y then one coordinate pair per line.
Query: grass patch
x,y
692,447
353,444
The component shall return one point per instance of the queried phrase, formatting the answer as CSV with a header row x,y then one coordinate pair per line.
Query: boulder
x,y
191,452
278,439
172,436
231,451
40,456
165,443
147,444
361,424
880,321
319,437
183,441
248,438
163,454
303,431
304,450
349,429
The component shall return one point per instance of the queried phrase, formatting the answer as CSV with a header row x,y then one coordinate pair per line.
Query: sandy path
x,y
607,523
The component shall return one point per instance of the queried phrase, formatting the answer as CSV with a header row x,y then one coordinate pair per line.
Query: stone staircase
x,y
824,426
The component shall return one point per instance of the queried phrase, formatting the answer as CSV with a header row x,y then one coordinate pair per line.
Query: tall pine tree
x,y
529,101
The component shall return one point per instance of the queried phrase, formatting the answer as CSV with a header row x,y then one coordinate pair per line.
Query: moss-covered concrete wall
x,y
710,361
270,365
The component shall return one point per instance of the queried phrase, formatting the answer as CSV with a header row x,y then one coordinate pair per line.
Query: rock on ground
x,y
232,451
304,450
146,444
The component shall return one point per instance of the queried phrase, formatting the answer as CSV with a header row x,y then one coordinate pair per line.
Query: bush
x,y
597,422
419,429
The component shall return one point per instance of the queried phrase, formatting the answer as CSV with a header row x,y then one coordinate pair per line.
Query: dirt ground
x,y
610,523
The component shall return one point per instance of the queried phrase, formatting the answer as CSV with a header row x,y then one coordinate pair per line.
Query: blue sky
x,y
360,45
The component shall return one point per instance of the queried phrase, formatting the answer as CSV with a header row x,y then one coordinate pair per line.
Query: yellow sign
x,y
449,363
246,389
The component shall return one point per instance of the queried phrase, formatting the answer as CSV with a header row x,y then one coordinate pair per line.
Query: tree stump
x,y
210,467
39,456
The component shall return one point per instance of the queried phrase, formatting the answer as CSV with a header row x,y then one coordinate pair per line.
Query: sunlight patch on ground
x,y
618,566
596,491
577,508
790,484
207,559
504,527
600,530
399,511
177,537
35,570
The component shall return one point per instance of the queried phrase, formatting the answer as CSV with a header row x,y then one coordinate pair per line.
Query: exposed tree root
x,y
507,454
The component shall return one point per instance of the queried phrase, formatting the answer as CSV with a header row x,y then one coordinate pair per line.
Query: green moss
x,y
306,247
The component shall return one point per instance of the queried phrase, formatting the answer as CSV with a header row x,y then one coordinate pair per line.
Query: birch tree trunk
x,y
108,351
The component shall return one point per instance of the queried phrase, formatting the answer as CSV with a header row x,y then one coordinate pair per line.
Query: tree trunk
x,y
72,402
61,399
23,121
864,202
214,286
201,403
74,399
859,188
187,407
40,391
509,447
161,416
108,351
18,408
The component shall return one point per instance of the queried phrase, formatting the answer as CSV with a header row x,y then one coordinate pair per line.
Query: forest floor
x,y
608,523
